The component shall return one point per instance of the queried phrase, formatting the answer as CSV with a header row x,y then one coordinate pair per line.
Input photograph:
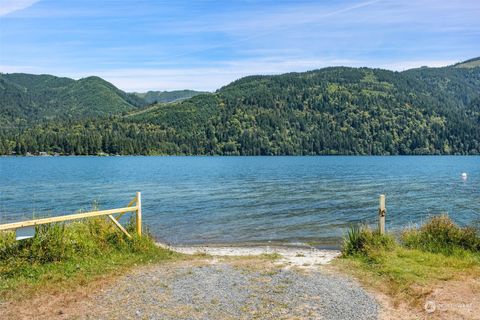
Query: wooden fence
x,y
134,206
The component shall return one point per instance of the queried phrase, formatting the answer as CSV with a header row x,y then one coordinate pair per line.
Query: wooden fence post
x,y
381,215
139,213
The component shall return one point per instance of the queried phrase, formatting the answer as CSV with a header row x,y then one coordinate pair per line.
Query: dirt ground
x,y
271,286
206,287
452,299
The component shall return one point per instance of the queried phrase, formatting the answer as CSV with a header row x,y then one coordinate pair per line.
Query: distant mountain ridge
x,y
335,110
151,97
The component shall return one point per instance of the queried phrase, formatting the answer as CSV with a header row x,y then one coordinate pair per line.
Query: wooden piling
x,y
139,213
381,215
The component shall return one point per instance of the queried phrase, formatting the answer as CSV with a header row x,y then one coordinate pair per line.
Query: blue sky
x,y
144,45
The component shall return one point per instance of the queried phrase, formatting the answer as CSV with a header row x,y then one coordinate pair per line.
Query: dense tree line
x,y
329,111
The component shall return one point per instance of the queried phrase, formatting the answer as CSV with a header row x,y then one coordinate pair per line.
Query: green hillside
x,y
335,110
26,98
167,96
472,63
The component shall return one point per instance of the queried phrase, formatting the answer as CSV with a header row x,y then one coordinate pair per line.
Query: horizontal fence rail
x,y
137,208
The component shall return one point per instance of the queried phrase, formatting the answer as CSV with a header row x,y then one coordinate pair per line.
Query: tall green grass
x,y
362,240
65,253
441,235
408,267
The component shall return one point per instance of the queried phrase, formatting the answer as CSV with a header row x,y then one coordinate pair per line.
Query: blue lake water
x,y
193,200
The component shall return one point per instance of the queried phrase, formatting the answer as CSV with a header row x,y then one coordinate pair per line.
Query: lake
x,y
198,200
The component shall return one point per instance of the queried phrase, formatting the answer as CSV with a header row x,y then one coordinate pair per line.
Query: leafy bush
x,y
441,235
362,240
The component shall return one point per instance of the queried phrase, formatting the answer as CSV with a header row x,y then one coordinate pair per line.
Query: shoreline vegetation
x,y
48,155
62,256
410,267
406,268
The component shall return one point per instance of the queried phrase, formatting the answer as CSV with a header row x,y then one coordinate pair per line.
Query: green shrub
x,y
441,235
362,240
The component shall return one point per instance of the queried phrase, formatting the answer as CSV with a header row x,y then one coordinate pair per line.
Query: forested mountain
x,y
151,97
27,98
336,110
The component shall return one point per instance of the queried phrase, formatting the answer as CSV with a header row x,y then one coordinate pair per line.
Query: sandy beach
x,y
303,257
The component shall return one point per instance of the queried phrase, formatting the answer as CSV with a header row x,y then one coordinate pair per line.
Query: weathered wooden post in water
x,y
139,213
381,215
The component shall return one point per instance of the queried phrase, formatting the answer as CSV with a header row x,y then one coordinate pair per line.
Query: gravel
x,y
224,291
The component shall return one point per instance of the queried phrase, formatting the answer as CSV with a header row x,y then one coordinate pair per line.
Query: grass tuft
x,y
441,235
361,240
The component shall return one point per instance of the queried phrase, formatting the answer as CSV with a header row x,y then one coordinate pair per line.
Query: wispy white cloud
x,y
99,9
206,44
244,27
9,6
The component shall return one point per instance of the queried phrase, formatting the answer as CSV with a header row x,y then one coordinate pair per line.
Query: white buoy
x,y
464,175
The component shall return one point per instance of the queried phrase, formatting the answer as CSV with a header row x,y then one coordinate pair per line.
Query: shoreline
x,y
230,156
288,256
334,244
